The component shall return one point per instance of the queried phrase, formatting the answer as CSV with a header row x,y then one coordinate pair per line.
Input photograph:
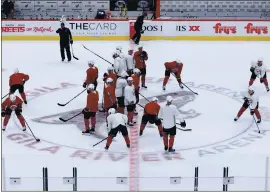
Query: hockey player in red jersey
x,y
17,81
251,101
117,122
136,83
111,75
150,115
12,103
91,75
140,57
174,67
109,96
258,69
91,108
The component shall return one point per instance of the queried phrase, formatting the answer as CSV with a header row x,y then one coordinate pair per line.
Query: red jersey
x,y
136,80
18,79
91,75
92,101
12,105
109,96
139,61
151,108
173,67
114,78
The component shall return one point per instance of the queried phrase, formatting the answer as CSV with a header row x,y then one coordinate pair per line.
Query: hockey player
x,y
169,114
174,67
121,83
65,40
151,111
111,75
91,75
109,96
130,62
116,123
17,81
130,100
119,64
140,57
258,70
251,101
12,103
136,83
91,108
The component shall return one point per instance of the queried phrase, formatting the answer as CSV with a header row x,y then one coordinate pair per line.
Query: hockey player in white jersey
x,y
169,113
116,122
130,62
258,69
121,83
251,101
130,100
119,63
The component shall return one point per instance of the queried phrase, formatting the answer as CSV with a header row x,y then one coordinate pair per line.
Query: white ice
x,y
219,70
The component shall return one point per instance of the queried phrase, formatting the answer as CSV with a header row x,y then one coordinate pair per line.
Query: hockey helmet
x,y
111,111
16,70
91,87
91,63
250,90
12,97
154,99
260,62
178,61
129,79
119,48
169,98
109,80
140,46
110,68
124,74
136,70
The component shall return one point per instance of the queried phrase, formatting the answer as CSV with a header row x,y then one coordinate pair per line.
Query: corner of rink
x,y
218,71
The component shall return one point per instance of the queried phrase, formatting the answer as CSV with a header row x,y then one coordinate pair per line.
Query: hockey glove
x,y
261,80
143,54
183,124
71,41
84,85
24,82
252,111
3,113
18,111
252,69
85,110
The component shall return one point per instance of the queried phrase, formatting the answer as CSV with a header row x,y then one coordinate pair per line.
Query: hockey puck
x,y
38,140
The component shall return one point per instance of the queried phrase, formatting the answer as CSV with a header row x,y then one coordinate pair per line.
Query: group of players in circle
x,y
122,90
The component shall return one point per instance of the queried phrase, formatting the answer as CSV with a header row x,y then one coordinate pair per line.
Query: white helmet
x,y
260,59
154,99
16,70
12,97
111,111
110,68
130,49
250,88
109,80
169,98
129,79
140,46
91,62
136,70
91,87
178,61
124,74
119,48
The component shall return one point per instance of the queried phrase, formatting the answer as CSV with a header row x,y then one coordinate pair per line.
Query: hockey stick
x,y
73,53
186,86
65,120
144,97
4,96
259,131
38,140
70,100
183,129
100,141
97,55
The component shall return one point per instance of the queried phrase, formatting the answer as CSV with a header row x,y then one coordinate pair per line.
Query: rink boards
x,y
199,30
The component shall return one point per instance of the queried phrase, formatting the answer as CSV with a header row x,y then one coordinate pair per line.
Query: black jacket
x,y
139,23
65,35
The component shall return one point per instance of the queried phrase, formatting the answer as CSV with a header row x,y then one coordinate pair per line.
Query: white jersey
x,y
258,70
114,120
119,66
252,99
169,114
120,87
130,62
130,95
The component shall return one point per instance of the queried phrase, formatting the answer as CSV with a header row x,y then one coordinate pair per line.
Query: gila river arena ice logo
x,y
197,110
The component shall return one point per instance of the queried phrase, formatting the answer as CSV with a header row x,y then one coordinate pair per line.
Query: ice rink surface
x,y
218,71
